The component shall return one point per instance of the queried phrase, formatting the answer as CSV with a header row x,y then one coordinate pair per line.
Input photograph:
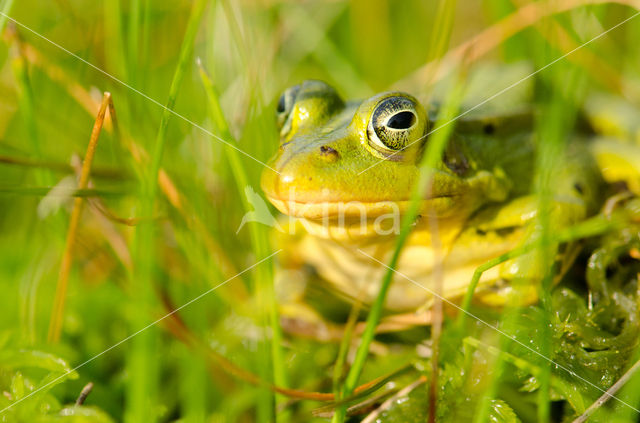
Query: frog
x,y
344,173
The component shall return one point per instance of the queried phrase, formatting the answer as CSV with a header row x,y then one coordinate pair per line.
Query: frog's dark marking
x,y
284,144
619,187
506,231
489,128
578,187
281,104
459,167
455,160
329,152
499,285
500,231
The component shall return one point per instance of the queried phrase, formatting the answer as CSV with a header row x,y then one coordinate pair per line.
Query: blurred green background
x,y
143,249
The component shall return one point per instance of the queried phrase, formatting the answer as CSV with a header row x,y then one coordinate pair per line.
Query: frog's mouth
x,y
349,211
310,191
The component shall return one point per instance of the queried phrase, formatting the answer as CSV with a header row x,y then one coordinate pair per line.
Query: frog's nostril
x,y
283,145
328,152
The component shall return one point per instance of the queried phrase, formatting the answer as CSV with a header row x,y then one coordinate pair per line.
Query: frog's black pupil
x,y
402,120
280,108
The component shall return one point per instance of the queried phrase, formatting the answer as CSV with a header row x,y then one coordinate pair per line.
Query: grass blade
x,y
143,360
259,237
435,146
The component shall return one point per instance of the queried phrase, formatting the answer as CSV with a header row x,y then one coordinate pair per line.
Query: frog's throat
x,y
361,211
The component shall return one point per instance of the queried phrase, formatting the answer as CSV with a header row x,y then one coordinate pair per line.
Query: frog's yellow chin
x,y
437,206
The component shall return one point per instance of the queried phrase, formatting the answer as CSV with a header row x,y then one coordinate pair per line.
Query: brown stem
x,y
57,314
610,393
84,393
176,326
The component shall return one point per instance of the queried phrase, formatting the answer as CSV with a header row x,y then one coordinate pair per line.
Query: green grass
x,y
166,198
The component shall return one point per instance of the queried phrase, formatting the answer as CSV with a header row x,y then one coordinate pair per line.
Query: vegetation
x,y
129,133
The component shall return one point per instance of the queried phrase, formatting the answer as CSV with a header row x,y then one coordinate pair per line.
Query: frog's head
x,y
363,154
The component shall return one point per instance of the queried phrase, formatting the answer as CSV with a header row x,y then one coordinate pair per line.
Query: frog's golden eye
x,y
285,105
395,124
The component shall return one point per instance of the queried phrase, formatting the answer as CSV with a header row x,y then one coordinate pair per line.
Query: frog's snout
x,y
304,173
291,154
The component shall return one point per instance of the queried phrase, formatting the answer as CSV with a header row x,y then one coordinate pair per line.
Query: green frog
x,y
344,174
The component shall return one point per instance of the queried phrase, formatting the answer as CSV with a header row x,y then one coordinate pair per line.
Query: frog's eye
x,y
395,124
306,107
285,105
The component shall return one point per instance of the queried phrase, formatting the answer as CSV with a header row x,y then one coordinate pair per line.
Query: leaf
x,y
76,414
18,386
455,403
18,359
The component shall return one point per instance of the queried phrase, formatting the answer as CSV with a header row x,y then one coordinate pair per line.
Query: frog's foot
x,y
617,149
297,316
302,321
305,309
618,161
615,201
403,321
304,316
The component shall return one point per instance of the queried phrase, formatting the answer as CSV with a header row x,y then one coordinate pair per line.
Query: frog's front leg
x,y
515,224
303,298
292,276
